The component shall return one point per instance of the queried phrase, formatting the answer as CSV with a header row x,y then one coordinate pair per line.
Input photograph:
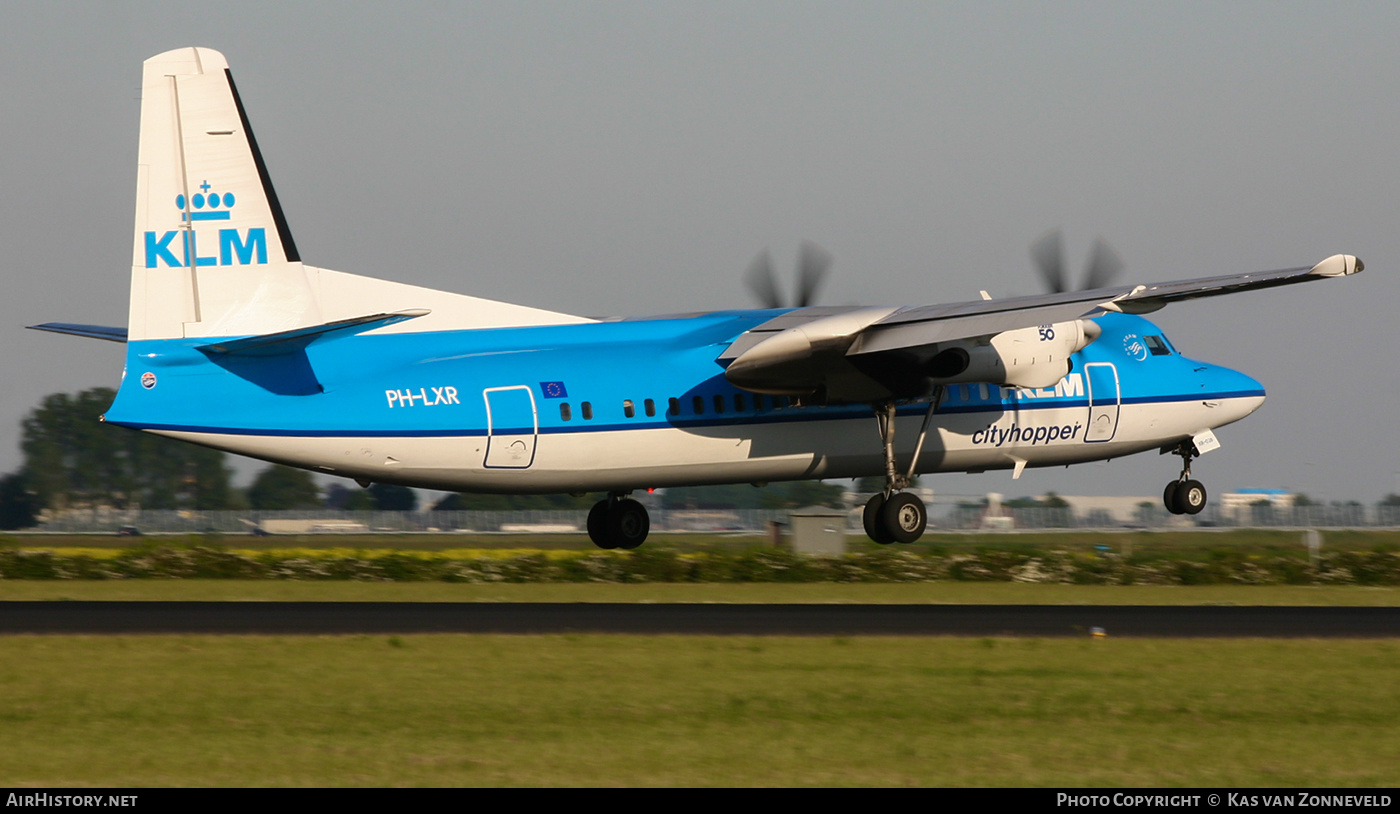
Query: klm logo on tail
x,y
234,248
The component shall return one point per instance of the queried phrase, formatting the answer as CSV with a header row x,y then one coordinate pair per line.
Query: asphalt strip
x,y
330,618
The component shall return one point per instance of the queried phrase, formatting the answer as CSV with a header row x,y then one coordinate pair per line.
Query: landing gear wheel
x,y
1169,497
1190,497
598,525
1185,495
628,524
905,517
874,520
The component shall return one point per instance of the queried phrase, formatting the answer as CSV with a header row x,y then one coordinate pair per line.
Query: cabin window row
x,y
719,404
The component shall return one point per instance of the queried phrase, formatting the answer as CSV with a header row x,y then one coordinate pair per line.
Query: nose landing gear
x,y
1185,495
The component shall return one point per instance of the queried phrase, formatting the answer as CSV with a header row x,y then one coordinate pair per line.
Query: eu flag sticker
x,y
554,390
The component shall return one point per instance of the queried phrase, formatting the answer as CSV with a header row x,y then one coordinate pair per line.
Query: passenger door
x,y
512,427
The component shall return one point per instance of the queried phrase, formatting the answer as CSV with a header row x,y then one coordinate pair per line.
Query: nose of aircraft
x,y
1238,393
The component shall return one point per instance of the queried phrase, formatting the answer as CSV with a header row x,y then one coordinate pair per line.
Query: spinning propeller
x,y
1104,264
812,266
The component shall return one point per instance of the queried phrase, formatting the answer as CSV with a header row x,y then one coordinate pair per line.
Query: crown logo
x,y
205,205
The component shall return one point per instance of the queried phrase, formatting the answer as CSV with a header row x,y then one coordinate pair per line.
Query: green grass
x,y
958,593
695,711
1253,541
1236,557
413,541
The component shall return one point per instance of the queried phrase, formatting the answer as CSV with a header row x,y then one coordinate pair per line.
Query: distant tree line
x,y
72,459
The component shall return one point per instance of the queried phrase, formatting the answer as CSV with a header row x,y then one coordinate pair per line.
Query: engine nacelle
x,y
1027,357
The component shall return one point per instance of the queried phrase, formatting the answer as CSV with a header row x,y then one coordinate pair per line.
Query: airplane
x,y
233,342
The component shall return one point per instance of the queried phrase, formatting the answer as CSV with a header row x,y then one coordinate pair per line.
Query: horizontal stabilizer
x,y
283,342
90,331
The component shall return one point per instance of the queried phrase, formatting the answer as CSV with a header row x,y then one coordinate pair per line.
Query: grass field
x,y
695,711
597,710
1356,558
1154,542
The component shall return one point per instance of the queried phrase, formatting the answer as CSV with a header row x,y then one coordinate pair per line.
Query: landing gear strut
x,y
893,516
618,522
1185,495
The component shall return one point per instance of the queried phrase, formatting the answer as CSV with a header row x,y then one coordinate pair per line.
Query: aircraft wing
x,y
830,350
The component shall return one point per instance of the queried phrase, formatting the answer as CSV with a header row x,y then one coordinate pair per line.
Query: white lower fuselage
x,y
840,447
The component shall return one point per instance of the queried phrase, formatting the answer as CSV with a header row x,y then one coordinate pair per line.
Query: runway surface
x,y
711,619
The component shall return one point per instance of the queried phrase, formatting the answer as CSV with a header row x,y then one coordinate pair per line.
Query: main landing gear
x,y
893,516
618,521
1184,495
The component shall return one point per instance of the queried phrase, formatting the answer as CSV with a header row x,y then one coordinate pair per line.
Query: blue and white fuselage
x,y
643,403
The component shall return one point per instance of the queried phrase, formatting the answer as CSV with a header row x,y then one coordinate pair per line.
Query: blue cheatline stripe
x,y
795,417
1243,394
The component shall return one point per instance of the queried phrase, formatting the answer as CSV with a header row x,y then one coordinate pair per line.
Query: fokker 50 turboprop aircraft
x,y
233,342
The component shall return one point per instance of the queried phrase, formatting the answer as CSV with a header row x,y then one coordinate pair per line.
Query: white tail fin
x,y
213,254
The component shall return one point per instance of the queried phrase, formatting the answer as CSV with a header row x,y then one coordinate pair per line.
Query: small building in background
x,y
818,530
1244,506
1278,498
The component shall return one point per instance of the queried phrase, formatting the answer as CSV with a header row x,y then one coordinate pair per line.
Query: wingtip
x,y
110,334
1338,265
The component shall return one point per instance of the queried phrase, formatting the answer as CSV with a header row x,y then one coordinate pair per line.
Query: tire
x,y
873,518
598,525
628,524
905,517
1169,497
1191,497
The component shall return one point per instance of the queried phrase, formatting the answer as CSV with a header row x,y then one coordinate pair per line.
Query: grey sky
x,y
627,158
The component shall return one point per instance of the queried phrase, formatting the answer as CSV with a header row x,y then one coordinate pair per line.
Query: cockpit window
x,y
1158,345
